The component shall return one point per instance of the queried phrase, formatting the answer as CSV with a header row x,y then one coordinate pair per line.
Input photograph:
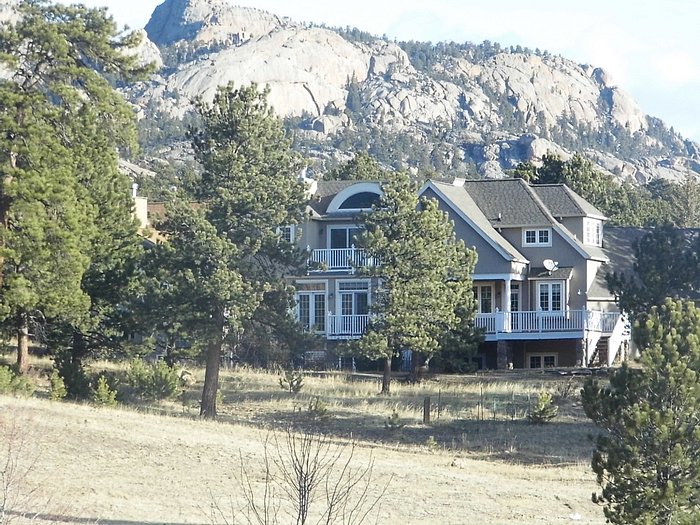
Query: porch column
x,y
506,306
506,296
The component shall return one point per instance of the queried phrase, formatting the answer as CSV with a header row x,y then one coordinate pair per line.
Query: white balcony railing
x,y
346,326
331,259
539,321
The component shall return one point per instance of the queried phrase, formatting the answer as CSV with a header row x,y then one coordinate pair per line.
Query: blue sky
x,y
651,47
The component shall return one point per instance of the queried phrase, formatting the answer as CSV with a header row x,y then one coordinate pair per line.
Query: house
x,y
539,279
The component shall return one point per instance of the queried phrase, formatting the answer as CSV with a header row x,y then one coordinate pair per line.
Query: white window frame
x,y
548,284
538,232
314,289
541,355
478,287
288,230
592,232
347,235
364,285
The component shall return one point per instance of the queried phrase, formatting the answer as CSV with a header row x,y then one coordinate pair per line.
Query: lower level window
x,y
542,360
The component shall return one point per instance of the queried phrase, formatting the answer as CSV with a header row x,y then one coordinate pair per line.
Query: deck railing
x,y
539,321
339,259
346,326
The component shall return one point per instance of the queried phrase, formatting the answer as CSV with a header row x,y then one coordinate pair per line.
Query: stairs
x,y
600,354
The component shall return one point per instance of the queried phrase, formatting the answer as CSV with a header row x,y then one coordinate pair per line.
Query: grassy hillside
x,y
479,462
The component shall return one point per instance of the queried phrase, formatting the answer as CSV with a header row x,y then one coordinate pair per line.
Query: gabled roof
x,y
508,203
561,201
463,204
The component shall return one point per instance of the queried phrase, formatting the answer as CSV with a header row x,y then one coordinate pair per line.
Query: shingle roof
x,y
558,273
563,202
469,207
508,202
325,192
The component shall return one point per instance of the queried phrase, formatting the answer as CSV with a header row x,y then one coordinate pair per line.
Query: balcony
x,y
339,259
545,325
346,326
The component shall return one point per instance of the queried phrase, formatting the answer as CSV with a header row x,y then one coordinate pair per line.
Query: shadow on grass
x,y
61,518
558,442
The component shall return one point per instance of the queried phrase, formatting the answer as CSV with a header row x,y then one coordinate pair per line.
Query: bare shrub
x,y
17,460
306,478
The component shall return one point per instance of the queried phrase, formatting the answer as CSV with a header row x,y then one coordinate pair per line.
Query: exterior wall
x,y
565,350
562,252
489,260
574,225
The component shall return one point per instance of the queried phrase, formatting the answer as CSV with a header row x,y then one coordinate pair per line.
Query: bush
x,y
103,395
57,390
73,373
152,381
11,383
544,409
292,381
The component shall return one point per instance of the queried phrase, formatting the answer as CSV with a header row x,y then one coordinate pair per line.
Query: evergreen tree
x,y
229,280
61,121
646,461
666,266
424,276
361,167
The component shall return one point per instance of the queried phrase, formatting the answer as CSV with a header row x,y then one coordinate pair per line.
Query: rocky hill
x,y
459,108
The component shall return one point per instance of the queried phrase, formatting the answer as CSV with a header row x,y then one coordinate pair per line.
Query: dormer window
x,y
537,237
592,232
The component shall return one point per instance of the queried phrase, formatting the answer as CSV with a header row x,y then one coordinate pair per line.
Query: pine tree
x,y
61,121
423,277
646,460
224,263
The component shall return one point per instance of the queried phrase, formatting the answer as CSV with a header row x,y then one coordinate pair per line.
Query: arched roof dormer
x,y
355,198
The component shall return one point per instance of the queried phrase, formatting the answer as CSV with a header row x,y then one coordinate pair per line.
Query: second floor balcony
x,y
339,259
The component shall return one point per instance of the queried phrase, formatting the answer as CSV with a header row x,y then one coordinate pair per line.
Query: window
x,y
287,233
311,305
354,297
311,311
360,201
592,232
550,296
541,237
484,298
343,237
541,360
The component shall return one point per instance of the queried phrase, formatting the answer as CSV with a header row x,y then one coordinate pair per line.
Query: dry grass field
x,y
479,462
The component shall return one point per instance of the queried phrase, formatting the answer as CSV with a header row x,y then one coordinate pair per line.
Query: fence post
x,y
426,410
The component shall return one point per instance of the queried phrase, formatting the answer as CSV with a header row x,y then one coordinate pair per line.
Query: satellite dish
x,y
549,265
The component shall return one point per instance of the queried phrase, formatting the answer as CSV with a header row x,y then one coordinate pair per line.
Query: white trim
x,y
337,305
329,228
498,277
542,355
537,232
507,256
568,237
596,231
477,295
343,195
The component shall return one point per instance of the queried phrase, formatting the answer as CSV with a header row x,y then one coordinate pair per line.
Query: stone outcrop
x,y
209,21
495,112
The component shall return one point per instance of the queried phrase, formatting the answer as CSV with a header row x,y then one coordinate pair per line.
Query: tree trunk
x,y
211,379
386,378
22,343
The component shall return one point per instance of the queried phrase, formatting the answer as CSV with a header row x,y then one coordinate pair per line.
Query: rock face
x,y
209,21
493,112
